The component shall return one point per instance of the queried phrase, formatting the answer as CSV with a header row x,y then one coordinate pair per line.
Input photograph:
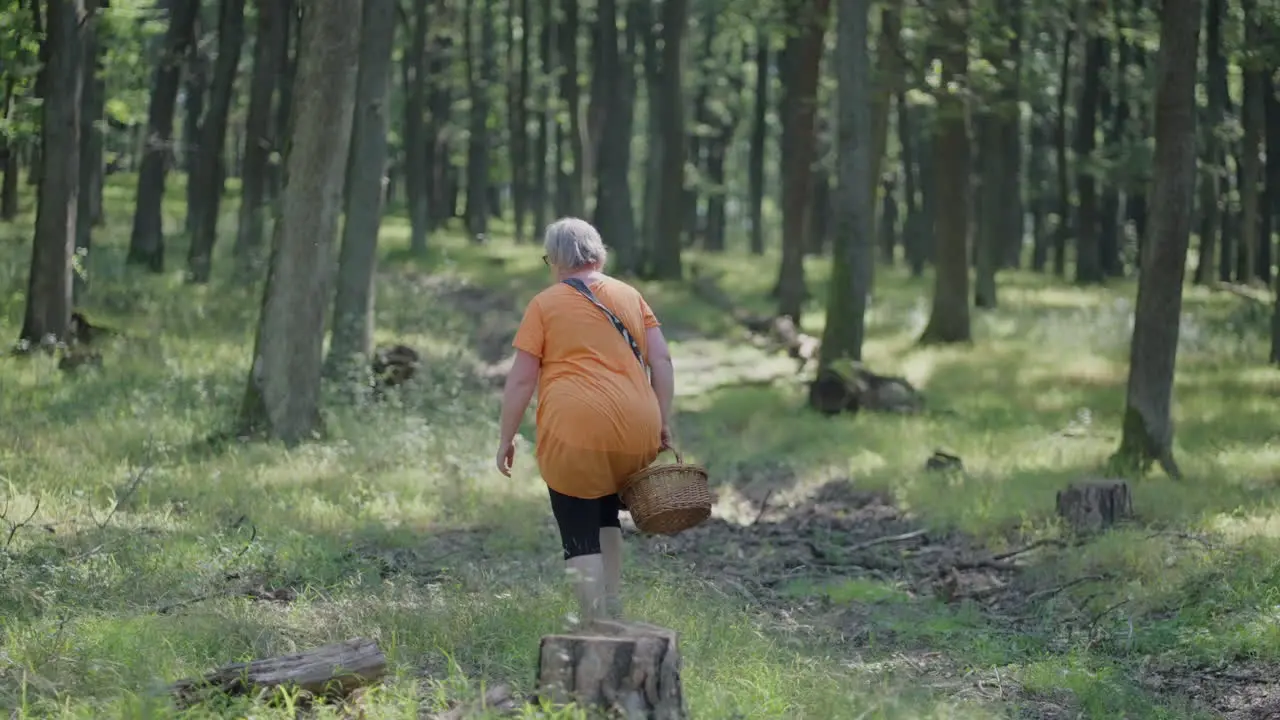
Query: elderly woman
x,y
585,344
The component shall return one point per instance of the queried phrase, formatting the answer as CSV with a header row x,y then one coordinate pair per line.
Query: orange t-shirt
x,y
597,419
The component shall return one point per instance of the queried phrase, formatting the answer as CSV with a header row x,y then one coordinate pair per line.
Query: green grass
x,y
132,570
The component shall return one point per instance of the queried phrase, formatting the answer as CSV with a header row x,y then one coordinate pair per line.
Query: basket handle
x,y
673,451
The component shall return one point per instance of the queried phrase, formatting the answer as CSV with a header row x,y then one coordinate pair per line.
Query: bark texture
x,y
283,394
1148,422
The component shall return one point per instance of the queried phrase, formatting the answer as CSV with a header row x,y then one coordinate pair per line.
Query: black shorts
x,y
580,521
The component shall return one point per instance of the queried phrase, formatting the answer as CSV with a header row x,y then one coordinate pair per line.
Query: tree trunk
x,y
416,167
629,668
48,312
614,215
990,238
808,19
260,137
1088,256
854,255
1148,423
1252,122
572,172
546,116
670,100
1038,191
92,109
283,393
146,242
759,129
887,79
210,170
1013,210
351,339
288,60
949,319
479,80
1063,230
518,110
1211,178
196,93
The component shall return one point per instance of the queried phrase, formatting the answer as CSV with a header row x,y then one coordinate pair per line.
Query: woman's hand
x,y
667,439
506,457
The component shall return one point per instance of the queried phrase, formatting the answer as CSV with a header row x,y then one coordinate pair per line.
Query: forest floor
x,y
133,552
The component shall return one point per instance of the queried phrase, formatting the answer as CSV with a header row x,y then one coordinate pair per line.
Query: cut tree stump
x,y
1095,505
631,668
847,386
330,671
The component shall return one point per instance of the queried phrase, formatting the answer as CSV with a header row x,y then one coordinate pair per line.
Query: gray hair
x,y
572,244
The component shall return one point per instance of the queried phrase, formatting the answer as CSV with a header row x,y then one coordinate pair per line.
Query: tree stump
x,y
1095,505
632,668
330,671
847,386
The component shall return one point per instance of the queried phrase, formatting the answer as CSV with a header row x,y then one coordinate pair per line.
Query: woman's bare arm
x,y
522,380
662,373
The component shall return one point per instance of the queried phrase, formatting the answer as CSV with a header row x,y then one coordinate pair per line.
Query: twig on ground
x,y
129,490
14,527
764,506
903,537
1043,542
1097,617
1190,537
1050,592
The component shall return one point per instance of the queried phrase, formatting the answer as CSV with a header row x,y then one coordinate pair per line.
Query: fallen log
x,y
631,668
847,386
1095,505
779,332
330,671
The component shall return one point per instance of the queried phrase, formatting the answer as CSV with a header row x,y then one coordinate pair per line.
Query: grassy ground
x,y
132,553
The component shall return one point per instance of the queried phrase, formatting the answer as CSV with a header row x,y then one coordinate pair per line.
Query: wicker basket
x,y
665,499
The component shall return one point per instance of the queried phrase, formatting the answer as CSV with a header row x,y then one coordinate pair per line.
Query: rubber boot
x,y
587,572
611,552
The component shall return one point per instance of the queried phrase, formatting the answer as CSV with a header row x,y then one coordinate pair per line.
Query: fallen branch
x,y
330,671
887,539
1050,592
14,527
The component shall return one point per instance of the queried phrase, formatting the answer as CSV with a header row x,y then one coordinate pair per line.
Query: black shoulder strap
x,y
582,288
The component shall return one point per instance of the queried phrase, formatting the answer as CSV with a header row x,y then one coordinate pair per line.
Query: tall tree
x,y
1253,121
571,178
1211,177
615,216
260,135
480,81
416,167
1147,432
800,95
518,113
92,110
48,313
282,398
949,319
854,255
759,132
1088,253
351,341
670,128
146,243
210,168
